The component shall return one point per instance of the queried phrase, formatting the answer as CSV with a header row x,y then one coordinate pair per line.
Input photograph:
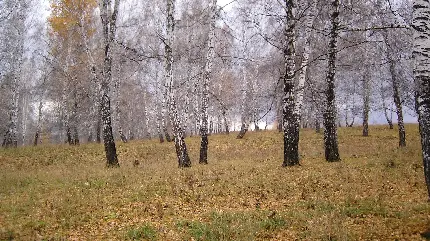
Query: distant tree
x,y
395,82
420,24
366,102
71,23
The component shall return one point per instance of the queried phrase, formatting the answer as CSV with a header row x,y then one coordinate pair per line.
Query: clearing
x,y
61,192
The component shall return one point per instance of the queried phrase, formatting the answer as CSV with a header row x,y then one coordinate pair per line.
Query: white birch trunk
x,y
290,124
366,102
421,53
305,60
181,148
39,123
206,79
109,19
330,130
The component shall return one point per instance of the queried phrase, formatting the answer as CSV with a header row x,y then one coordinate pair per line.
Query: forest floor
x,y
377,191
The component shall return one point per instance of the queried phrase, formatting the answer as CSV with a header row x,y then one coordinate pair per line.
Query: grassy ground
x,y
62,192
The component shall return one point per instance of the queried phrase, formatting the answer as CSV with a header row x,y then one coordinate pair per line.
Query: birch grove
x,y
175,70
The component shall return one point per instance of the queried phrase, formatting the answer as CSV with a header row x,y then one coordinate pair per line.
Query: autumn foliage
x,y
68,15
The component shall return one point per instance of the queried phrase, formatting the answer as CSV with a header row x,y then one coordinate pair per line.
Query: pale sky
x,y
225,2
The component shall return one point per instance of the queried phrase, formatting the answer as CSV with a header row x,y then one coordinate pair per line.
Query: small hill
x,y
377,191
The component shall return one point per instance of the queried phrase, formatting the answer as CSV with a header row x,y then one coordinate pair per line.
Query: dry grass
x,y
62,192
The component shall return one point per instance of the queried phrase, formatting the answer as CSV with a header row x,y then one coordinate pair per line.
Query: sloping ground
x,y
62,192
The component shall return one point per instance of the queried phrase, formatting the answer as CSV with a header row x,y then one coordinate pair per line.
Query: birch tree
x,y
291,134
14,31
394,77
421,51
181,147
366,102
305,58
109,20
330,129
206,79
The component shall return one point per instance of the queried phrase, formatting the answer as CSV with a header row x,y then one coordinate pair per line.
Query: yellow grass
x,y
62,192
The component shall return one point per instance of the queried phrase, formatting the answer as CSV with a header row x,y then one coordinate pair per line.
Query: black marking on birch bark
x,y
109,29
290,119
330,129
421,13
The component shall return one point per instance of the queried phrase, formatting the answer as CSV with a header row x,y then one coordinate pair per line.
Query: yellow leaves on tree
x,y
69,15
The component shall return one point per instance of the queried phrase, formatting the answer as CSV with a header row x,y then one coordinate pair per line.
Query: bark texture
x,y
330,129
39,124
206,79
181,147
396,90
109,30
421,53
291,125
366,102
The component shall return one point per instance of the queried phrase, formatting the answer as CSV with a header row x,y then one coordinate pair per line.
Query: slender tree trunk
x,y
290,118
399,111
206,79
109,30
305,60
181,147
10,139
246,97
66,117
330,129
75,137
242,132
130,135
366,102
99,125
385,108
196,108
396,91
421,21
24,115
159,119
164,118
226,127
39,123
317,125
94,80
147,119
117,94
160,133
